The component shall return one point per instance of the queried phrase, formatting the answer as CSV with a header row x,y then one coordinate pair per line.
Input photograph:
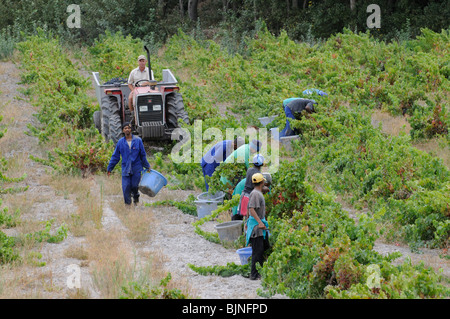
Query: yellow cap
x,y
258,177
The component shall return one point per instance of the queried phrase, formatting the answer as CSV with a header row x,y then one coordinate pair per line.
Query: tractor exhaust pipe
x,y
149,64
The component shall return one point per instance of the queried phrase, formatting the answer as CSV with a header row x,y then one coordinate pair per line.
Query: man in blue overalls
x,y
216,155
134,158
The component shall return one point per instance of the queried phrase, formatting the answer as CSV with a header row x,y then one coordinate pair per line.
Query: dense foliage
x,y
319,251
64,109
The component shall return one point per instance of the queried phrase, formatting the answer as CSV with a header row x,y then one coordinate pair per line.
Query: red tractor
x,y
157,107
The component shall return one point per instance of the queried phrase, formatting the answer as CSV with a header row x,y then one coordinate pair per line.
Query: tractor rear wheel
x,y
111,125
98,121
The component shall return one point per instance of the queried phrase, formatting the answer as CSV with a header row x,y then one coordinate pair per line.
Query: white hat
x,y
142,57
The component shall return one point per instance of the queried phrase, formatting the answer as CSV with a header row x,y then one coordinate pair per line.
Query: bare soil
x,y
172,238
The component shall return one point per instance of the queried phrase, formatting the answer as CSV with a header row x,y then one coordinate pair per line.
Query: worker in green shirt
x,y
237,190
241,155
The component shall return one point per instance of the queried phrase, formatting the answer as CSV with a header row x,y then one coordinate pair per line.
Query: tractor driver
x,y
140,73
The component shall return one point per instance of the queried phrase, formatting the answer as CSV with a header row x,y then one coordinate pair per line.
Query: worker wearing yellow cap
x,y
257,226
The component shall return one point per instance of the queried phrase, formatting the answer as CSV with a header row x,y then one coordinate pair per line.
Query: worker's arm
x,y
115,158
255,216
131,81
143,156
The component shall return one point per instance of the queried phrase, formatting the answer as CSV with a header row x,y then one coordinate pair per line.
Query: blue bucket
x,y
151,183
244,254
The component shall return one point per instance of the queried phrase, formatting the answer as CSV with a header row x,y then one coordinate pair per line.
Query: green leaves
x,y
137,290
315,243
230,269
380,170
319,251
65,111
115,55
7,254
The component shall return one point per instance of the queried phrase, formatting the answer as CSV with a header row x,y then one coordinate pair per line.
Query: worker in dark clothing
x,y
258,162
134,159
293,109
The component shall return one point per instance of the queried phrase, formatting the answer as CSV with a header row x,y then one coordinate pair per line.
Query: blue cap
x,y
258,160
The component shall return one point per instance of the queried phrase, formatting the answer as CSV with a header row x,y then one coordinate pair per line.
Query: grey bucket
x,y
217,197
205,207
229,231
267,120
286,141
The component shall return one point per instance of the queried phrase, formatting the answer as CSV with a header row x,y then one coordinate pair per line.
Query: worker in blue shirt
x,y
134,159
216,155
293,108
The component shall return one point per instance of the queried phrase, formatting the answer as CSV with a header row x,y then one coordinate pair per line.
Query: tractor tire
x,y
98,121
175,110
111,122
105,114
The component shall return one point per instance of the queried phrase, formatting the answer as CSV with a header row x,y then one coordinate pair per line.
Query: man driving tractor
x,y
138,74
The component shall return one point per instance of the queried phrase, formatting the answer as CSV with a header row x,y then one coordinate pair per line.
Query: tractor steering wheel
x,y
143,80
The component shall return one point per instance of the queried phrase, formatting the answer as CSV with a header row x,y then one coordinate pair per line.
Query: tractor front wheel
x,y
175,110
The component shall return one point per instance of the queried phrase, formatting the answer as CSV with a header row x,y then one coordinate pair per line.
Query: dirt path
x,y
172,238
176,239
38,204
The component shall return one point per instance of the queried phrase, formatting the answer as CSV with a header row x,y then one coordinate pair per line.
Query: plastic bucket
x,y
151,183
217,197
286,141
229,231
244,254
267,120
205,208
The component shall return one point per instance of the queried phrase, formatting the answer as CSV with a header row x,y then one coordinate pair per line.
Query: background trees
x,y
155,20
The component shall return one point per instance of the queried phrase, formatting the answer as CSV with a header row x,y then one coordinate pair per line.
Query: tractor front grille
x,y
150,108
150,130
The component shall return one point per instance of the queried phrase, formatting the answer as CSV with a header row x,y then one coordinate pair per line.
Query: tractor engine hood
x,y
145,90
